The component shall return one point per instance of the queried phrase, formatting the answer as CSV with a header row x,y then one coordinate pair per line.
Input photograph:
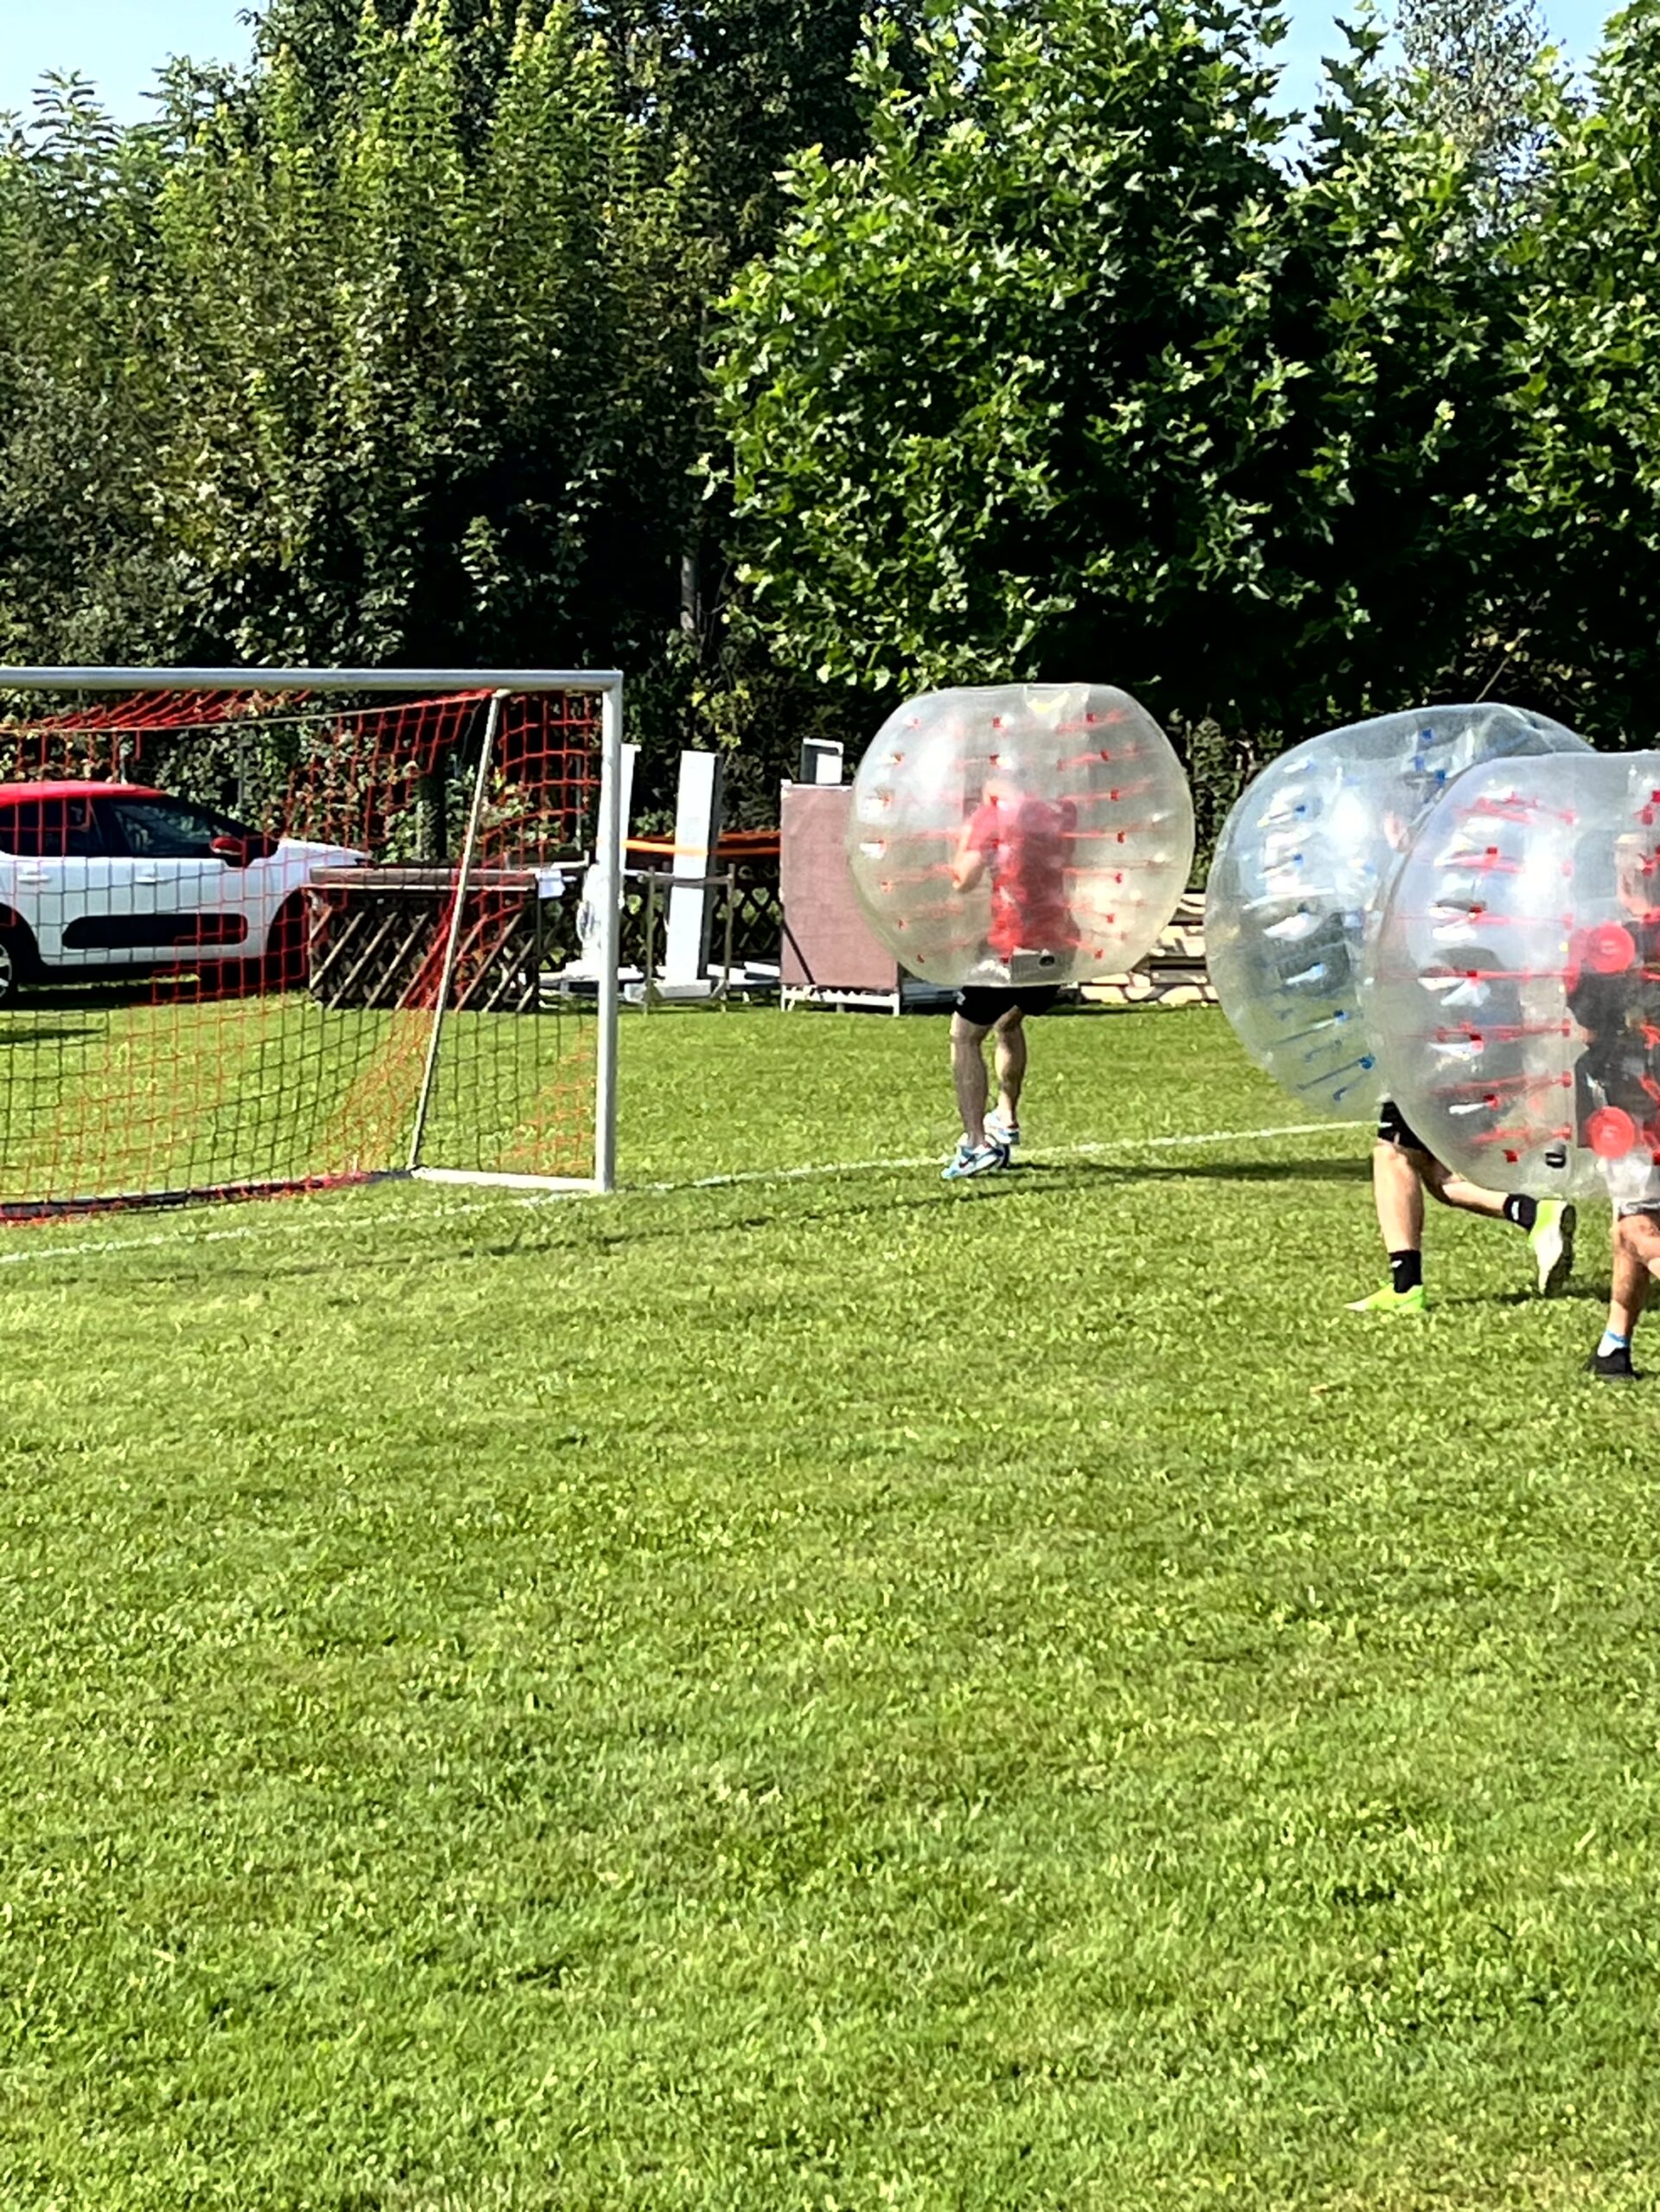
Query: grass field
x,y
828,1689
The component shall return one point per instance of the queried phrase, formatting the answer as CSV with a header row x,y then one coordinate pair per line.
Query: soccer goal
x,y
281,930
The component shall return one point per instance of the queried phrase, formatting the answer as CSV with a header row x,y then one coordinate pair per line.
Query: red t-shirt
x,y
1027,846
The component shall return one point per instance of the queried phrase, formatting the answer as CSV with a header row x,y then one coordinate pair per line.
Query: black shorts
x,y
985,1005
1392,1128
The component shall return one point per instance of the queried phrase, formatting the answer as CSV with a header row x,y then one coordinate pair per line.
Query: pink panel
x,y
827,941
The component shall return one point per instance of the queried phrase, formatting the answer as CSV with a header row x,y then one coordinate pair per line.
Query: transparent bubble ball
x,y
1020,834
1513,978
1298,870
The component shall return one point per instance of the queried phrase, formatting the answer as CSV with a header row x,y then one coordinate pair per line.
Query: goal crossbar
x,y
600,680
605,684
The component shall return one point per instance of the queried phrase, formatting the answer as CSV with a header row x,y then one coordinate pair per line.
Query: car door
x,y
171,893
55,870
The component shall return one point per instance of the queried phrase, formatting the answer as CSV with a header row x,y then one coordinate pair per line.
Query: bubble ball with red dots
x,y
1300,865
1020,835
1513,982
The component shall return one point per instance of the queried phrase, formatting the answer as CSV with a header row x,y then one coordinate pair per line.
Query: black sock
x,y
1406,1270
1522,1212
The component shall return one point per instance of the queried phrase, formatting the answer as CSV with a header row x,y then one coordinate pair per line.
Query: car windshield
x,y
169,829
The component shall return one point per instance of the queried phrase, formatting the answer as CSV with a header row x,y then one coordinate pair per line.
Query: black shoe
x,y
1613,1366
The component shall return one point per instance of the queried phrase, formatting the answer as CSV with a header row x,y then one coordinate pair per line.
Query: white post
x,y
608,859
696,831
821,761
626,787
590,918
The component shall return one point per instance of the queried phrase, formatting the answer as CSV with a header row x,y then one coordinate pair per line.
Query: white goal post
x,y
500,686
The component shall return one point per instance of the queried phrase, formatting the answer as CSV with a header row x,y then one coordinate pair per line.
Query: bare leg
x,y
1010,1036
1637,1259
1398,1194
969,1075
1454,1191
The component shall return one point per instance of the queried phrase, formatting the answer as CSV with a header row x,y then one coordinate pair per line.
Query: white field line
x,y
285,1224
1054,1152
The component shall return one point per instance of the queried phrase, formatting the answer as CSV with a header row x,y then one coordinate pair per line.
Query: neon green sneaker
x,y
1389,1301
1551,1242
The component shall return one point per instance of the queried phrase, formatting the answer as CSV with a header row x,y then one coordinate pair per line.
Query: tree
x,y
399,383
1070,374
415,419
1473,66
393,344
82,574
1585,365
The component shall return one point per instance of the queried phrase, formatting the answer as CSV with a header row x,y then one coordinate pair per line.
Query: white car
x,y
108,879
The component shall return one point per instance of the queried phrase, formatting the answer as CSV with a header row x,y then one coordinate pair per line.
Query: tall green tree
x,y
1398,544
394,344
715,96
82,575
1585,389
1071,373
391,377
1472,68
415,355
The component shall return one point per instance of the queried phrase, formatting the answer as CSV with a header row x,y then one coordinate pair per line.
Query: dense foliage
x,y
1070,371
790,357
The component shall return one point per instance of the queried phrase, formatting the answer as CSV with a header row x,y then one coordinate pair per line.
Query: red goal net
x,y
253,943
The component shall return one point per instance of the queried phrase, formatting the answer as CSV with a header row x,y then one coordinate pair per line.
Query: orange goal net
x,y
265,932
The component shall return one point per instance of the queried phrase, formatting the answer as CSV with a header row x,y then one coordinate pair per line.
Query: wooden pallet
x,y
376,938
1173,974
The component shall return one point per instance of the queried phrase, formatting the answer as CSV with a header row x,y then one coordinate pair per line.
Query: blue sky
x,y
118,43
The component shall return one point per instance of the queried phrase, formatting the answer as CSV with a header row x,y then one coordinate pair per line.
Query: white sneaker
x,y
998,1131
976,1159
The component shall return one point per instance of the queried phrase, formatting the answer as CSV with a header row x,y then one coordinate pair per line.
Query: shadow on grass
x,y
92,998
85,1033
842,1198
1587,1293
150,990
1209,1171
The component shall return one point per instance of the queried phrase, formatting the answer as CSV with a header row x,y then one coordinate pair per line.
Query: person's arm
x,y
968,864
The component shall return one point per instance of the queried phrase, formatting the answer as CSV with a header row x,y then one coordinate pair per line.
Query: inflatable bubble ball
x,y
1020,834
1513,978
1299,866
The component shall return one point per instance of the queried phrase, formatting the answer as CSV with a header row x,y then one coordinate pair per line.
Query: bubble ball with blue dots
x,y
1299,869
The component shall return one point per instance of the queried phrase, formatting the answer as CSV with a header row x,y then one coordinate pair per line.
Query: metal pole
x,y
609,858
452,945
647,990
731,916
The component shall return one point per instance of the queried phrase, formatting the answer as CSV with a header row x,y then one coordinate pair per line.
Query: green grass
x,y
827,1691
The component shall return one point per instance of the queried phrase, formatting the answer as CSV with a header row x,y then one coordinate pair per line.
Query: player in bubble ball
x,y
1615,998
1025,844
1403,1169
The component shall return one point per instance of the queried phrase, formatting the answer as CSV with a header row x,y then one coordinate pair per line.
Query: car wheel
x,y
17,962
